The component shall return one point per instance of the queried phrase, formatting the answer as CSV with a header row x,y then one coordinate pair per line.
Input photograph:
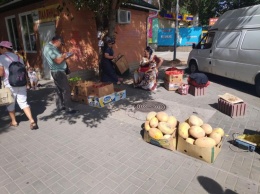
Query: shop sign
x,y
212,21
48,13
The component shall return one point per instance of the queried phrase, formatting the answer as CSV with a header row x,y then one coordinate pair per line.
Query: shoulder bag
x,y
6,96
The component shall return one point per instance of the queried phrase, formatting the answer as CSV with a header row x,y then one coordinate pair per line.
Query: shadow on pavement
x,y
237,85
212,186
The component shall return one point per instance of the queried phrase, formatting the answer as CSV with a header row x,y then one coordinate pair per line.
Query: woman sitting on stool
x,y
146,75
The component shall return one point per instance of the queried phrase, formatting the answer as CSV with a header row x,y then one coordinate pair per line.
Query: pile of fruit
x,y
196,132
160,125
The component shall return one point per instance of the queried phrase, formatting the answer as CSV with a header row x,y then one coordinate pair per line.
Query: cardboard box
x,y
174,75
101,89
122,64
174,78
206,154
171,85
100,102
169,143
82,88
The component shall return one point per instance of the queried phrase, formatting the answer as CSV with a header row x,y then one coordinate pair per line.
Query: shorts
x,y
20,95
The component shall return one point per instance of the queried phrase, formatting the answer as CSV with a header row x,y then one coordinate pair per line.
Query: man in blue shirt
x,y
57,64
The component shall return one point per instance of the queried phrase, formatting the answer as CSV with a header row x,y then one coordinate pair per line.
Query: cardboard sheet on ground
x,y
231,98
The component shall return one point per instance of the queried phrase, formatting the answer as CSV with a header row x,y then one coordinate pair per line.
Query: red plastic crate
x,y
233,110
197,91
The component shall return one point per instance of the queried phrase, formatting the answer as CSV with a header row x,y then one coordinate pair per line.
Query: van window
x,y
228,40
251,40
207,41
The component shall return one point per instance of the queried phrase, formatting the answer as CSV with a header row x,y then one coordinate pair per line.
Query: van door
x,y
205,52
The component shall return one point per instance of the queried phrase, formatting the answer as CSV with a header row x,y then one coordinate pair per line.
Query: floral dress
x,y
146,76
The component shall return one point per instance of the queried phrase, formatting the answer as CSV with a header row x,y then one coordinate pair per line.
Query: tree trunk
x,y
115,4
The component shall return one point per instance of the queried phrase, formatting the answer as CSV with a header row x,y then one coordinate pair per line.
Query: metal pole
x,y
176,28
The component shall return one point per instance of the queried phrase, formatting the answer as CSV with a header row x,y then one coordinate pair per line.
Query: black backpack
x,y
17,73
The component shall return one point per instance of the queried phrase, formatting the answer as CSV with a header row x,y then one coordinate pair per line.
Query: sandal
x,y
13,125
33,126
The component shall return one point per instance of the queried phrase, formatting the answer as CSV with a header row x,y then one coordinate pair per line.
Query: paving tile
x,y
57,188
131,189
123,186
182,185
12,187
29,190
83,186
3,190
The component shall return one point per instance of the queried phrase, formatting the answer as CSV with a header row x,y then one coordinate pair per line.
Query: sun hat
x,y
6,44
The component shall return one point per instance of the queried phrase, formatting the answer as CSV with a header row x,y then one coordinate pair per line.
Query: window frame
x,y
22,30
244,38
15,43
223,34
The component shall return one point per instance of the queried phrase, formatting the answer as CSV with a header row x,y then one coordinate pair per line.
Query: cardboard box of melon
x,y
160,130
199,140
192,137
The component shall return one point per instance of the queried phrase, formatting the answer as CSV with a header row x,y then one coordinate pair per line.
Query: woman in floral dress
x,y
146,75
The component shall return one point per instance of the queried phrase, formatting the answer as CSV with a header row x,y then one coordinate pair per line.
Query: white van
x,y
231,48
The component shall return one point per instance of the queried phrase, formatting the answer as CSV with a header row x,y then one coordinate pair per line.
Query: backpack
x,y
17,73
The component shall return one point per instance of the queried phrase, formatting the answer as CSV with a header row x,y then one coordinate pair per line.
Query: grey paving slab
x,y
102,150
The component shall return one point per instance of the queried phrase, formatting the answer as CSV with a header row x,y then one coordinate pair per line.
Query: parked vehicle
x,y
231,48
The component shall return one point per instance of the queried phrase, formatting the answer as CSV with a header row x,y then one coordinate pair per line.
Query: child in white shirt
x,y
33,78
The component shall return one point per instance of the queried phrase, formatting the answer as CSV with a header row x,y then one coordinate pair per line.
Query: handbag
x,y
67,70
6,96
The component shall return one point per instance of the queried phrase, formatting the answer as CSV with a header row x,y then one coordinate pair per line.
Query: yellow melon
x,y
219,130
172,121
190,140
207,128
166,136
162,116
216,136
155,133
150,115
166,128
205,142
183,130
147,125
196,132
153,122
195,121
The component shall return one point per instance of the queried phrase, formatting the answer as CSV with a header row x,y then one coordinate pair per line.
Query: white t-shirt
x,y
5,62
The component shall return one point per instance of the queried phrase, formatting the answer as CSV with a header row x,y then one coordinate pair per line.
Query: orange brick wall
x,y
80,36
131,38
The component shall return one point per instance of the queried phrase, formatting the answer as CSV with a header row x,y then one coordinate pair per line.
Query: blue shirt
x,y
50,53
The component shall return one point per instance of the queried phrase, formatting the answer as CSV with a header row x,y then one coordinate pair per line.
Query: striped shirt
x,y
50,53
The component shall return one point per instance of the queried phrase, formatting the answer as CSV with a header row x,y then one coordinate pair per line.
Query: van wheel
x,y
193,67
257,85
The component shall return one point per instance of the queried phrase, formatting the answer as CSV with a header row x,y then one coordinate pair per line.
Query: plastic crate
x,y
233,110
197,91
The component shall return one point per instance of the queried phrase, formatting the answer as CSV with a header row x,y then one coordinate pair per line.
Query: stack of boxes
x,y
96,94
173,78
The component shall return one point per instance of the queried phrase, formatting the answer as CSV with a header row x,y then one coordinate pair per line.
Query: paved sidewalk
x,y
102,150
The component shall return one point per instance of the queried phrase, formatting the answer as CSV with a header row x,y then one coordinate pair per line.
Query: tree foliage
x,y
104,12
234,4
